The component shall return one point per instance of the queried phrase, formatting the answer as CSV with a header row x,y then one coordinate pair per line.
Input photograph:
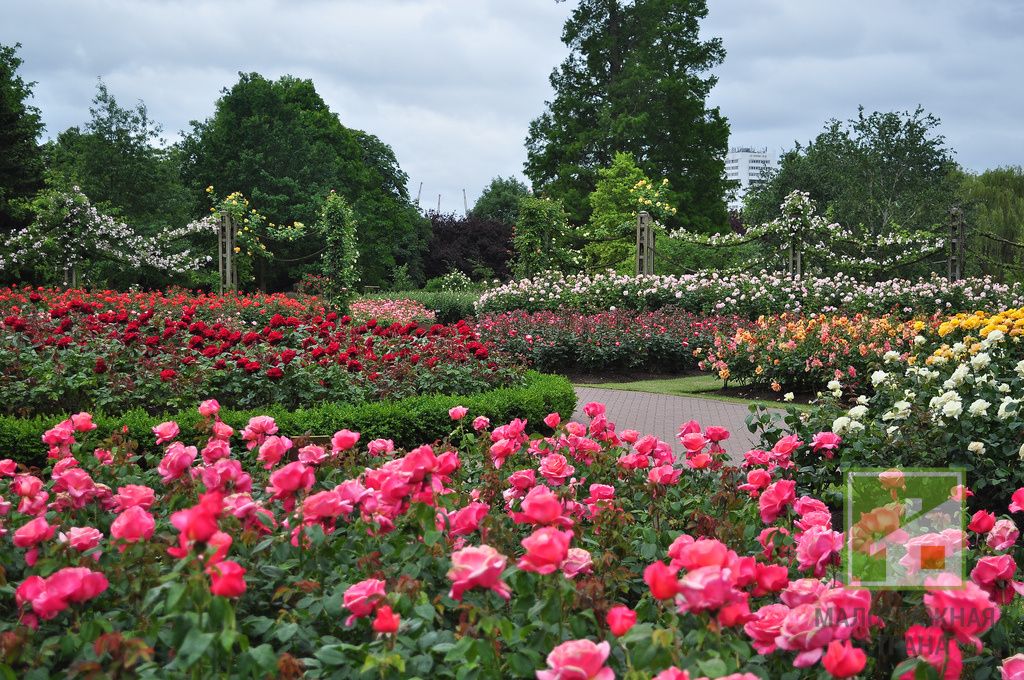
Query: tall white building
x,y
746,165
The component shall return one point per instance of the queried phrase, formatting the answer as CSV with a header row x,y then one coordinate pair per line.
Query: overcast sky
x,y
451,85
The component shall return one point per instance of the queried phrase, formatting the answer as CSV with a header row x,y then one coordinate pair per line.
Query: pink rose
x,y
934,646
775,499
843,660
133,525
806,631
1003,535
361,598
465,521
664,474
963,609
82,422
578,660
620,619
1013,668
478,567
1017,501
165,432
132,495
594,409
982,522
578,561
481,423
209,408
994,574
541,506
379,447
457,412
82,538
556,469
764,628
272,450
817,548
757,481
827,442
176,461
546,549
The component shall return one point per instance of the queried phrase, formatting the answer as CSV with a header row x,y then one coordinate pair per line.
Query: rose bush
x,y
948,396
809,352
748,294
486,554
64,351
665,340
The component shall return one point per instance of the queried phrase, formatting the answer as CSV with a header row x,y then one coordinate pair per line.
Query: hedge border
x,y
408,422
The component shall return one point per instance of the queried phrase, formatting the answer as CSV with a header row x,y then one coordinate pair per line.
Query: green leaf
x,y
332,656
714,668
192,648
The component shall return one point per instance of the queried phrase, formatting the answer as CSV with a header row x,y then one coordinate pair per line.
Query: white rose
x,y
976,448
842,424
788,396
980,361
952,409
878,377
995,336
862,400
834,385
858,412
979,407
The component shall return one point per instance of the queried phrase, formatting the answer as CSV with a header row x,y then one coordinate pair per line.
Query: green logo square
x,y
903,526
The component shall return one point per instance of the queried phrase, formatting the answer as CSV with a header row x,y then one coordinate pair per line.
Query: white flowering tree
x,y
800,240
69,231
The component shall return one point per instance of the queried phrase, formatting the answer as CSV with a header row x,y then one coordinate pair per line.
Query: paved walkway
x,y
662,414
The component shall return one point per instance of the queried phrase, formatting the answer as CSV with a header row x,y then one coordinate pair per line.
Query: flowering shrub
x,y
749,294
793,351
589,553
387,311
70,350
950,397
557,341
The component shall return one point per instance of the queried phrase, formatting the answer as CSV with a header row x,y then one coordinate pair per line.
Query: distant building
x,y
746,165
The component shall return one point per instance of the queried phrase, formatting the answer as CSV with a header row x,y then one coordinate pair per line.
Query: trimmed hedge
x,y
409,422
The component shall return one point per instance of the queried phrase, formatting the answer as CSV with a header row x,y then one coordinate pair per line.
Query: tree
x,y
500,200
21,166
994,205
637,80
479,247
337,226
875,174
541,239
280,144
622,192
121,162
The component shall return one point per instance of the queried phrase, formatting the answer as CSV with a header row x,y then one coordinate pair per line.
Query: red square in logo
x,y
933,557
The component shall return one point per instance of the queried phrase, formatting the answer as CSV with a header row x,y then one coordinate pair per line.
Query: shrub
x,y
336,224
477,246
480,556
951,400
749,294
666,340
447,307
409,422
807,352
71,351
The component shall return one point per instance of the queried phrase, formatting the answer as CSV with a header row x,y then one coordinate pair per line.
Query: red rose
x,y
167,374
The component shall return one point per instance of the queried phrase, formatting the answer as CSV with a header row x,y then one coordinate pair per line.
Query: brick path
x,y
662,414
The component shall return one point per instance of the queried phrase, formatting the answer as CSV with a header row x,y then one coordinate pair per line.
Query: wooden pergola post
x,y
226,254
644,244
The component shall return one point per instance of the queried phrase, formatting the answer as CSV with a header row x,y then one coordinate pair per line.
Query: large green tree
x,y
636,80
993,204
500,200
279,144
120,161
871,174
21,166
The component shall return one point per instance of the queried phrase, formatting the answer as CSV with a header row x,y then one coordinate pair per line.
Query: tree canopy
x,y
636,80
500,200
21,166
872,174
280,144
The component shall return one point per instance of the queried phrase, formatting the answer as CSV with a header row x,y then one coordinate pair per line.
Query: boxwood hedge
x,y
409,422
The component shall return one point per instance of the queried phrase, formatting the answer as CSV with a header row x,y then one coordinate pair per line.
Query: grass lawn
x,y
700,386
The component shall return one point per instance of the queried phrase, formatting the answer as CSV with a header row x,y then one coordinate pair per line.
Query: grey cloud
x,y
453,84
